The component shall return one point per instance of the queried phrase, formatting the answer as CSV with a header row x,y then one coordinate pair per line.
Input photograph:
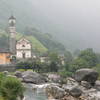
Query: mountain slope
x,y
46,39
37,45
41,43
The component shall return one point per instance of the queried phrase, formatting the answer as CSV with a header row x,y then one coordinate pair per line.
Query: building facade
x,y
23,49
4,58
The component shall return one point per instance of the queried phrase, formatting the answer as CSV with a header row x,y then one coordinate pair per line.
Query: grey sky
x,y
76,21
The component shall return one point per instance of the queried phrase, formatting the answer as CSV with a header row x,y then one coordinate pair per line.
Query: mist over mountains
x,y
75,23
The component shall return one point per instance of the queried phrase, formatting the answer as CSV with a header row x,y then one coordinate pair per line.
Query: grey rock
x,y
86,84
6,73
32,77
75,92
71,83
18,74
55,92
88,75
97,85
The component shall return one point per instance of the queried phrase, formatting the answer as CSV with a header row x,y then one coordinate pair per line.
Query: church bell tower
x,y
12,36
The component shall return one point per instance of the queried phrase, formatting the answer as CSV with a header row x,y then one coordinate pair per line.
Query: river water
x,y
34,95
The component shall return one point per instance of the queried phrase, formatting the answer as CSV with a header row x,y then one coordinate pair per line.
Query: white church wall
x,y
27,54
23,46
19,54
23,49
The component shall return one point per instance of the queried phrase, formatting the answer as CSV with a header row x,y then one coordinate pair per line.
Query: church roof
x,y
12,17
23,39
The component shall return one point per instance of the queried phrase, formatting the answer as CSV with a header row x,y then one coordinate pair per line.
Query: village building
x,y
23,49
4,57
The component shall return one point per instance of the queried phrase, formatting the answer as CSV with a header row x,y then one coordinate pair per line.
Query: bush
x,y
10,88
65,73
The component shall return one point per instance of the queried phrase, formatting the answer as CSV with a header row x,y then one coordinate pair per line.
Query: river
x,y
34,95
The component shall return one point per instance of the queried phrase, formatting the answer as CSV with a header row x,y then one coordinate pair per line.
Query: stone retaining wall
x,y
9,68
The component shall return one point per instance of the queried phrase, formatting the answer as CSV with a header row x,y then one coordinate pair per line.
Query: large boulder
x,y
55,92
75,92
91,94
71,83
32,77
88,75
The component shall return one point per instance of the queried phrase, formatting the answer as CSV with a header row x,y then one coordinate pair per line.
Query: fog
x,y
76,23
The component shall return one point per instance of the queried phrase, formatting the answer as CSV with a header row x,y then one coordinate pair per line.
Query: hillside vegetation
x,y
4,41
41,43
37,45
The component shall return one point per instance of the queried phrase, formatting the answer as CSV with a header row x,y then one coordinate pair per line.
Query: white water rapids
x,y
30,94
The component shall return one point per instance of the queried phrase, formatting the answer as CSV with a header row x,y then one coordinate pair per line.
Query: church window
x,y
23,45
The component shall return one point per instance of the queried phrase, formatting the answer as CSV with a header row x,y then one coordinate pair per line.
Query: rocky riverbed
x,y
82,86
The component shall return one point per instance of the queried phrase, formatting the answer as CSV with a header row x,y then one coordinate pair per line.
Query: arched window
x,y
23,45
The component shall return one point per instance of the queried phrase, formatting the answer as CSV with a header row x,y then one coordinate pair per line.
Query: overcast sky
x,y
76,20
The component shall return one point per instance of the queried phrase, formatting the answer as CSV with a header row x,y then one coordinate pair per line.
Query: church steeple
x,y
12,36
12,21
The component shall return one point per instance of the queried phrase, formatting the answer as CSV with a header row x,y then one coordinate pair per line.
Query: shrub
x,y
11,88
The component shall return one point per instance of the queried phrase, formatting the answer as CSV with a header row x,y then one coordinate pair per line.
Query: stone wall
x,y
10,68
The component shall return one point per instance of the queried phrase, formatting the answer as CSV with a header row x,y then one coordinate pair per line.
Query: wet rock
x,y
32,77
55,92
88,75
97,85
71,83
86,84
91,94
75,92
68,97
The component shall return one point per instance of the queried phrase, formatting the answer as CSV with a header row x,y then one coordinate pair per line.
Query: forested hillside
x,y
41,43
37,45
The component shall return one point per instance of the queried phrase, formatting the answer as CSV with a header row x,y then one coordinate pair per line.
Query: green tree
x,y
54,62
78,64
68,56
90,56
86,59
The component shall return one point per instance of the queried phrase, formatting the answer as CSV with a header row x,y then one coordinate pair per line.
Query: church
x,y
20,49
23,49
